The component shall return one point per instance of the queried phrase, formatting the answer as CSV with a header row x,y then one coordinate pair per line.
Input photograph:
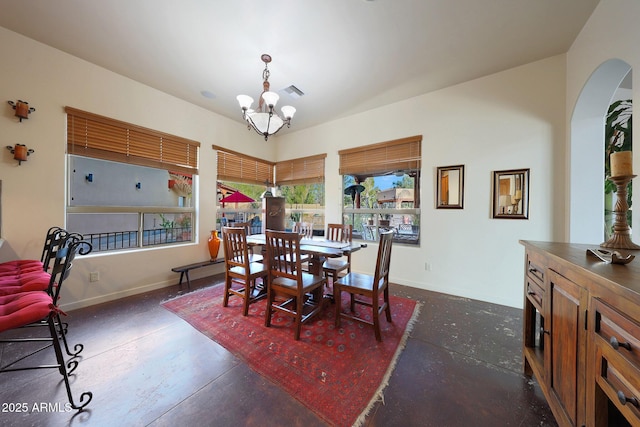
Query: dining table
x,y
317,247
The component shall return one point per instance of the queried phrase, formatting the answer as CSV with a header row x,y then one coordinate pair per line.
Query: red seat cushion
x,y
20,264
34,281
24,308
21,269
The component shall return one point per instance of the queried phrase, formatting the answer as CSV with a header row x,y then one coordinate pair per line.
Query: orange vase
x,y
214,244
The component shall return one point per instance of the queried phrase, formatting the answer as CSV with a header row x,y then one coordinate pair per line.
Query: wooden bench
x,y
184,269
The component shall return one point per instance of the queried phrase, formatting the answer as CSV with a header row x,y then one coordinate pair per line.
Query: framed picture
x,y
511,194
450,187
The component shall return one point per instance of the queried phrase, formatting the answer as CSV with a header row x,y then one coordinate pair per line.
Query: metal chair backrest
x,y
64,256
54,240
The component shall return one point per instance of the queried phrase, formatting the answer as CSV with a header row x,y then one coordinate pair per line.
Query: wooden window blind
x,y
91,135
384,157
238,167
305,170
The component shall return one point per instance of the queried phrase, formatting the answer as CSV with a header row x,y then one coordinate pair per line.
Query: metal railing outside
x,y
117,240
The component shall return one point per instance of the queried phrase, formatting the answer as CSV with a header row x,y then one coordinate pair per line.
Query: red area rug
x,y
337,373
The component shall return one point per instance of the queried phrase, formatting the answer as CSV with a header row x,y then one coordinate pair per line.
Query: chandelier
x,y
265,120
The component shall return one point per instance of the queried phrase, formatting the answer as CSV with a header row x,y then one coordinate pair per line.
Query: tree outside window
x,y
381,203
305,203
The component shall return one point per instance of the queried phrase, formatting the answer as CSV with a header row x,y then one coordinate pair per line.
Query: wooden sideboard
x,y
581,333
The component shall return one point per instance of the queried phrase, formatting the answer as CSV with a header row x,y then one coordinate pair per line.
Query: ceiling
x,y
347,56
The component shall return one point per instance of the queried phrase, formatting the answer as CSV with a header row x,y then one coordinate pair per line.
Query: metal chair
x,y
39,309
369,287
299,294
31,274
240,273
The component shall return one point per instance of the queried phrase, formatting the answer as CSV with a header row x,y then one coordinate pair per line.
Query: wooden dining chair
x,y
253,257
305,229
369,287
334,266
240,273
290,290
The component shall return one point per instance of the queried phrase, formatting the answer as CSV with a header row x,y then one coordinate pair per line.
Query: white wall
x,y
607,41
33,194
513,119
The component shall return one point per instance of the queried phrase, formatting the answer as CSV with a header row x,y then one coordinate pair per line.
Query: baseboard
x,y
116,295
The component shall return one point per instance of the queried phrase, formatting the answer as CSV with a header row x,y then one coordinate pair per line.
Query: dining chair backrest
x,y
55,238
283,255
384,259
340,232
236,253
245,225
303,228
65,254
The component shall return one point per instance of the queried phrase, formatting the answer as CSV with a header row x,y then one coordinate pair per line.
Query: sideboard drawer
x,y
617,345
620,382
621,333
535,266
535,293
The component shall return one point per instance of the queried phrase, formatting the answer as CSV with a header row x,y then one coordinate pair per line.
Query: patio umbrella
x,y
236,197
352,191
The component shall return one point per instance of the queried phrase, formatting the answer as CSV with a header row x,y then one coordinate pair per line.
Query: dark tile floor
x,y
147,367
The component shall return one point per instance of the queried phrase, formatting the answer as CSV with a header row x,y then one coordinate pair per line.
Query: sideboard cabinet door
x,y
566,341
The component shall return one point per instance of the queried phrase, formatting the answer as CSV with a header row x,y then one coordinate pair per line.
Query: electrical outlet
x,y
427,266
94,276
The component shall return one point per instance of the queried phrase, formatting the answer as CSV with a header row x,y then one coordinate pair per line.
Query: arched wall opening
x,y
586,152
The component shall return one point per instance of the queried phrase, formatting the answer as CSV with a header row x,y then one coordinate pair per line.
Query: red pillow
x,y
24,308
24,283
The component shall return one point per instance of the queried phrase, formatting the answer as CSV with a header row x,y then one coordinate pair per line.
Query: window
x,y
129,187
301,183
382,189
246,175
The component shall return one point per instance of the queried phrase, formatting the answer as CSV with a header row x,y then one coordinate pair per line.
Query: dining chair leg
x,y
62,329
299,305
376,328
386,301
267,312
227,285
337,296
85,397
247,298
375,312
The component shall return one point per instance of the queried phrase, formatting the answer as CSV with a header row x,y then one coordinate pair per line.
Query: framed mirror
x,y
511,194
450,187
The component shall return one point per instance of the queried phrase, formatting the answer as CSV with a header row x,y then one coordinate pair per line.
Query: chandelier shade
x,y
264,120
271,98
245,101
